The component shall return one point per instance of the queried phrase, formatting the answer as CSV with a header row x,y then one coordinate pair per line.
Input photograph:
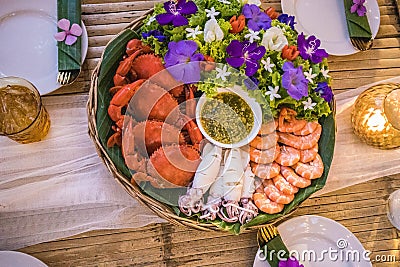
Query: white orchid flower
x,y
268,65
310,75
325,73
192,33
274,39
309,104
252,35
212,31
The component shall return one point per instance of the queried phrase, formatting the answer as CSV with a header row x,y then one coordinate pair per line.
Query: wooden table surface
x,y
361,208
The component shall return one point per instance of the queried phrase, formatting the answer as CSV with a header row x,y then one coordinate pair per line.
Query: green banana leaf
x,y
69,56
357,26
112,56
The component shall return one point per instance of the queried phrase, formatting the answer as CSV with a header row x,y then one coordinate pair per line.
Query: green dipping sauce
x,y
227,118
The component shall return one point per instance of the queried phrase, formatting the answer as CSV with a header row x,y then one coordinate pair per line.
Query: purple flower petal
x,y
309,48
325,91
76,30
179,21
188,8
60,36
251,67
181,57
353,8
362,10
165,18
235,62
257,19
257,53
235,48
71,39
293,81
64,24
247,11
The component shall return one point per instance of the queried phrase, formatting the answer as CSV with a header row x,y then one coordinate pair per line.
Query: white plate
x,y
319,234
28,48
18,259
327,21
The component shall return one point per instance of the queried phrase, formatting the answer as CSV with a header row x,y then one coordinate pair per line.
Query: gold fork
x,y
361,43
66,77
270,242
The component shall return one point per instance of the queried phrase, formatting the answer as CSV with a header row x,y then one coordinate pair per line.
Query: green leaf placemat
x,y
357,26
69,56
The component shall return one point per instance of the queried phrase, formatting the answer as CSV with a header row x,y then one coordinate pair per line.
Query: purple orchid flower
x,y
156,33
291,262
175,12
245,53
257,19
309,48
289,20
182,55
70,35
358,6
293,81
325,91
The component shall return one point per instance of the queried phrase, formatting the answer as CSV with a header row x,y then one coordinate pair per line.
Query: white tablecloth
x,y
59,187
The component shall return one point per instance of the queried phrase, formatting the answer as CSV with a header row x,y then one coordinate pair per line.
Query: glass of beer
x,y
23,118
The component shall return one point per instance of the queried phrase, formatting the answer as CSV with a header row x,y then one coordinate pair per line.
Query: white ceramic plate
x,y
327,21
18,259
319,234
28,48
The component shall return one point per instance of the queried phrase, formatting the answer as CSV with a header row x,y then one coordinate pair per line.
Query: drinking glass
x,y
23,118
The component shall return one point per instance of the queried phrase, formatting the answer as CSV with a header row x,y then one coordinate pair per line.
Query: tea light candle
x,y
376,116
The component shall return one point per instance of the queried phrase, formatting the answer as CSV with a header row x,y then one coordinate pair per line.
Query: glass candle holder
x,y
23,118
393,209
376,116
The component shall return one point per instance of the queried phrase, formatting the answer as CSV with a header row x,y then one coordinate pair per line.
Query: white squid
x,y
206,174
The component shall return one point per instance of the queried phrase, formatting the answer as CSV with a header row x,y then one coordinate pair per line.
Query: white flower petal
x,y
274,39
212,31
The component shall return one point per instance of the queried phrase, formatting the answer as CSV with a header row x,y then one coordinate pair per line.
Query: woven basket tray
x,y
99,98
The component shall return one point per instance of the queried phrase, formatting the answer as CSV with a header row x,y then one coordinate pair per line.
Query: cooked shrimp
x,y
275,194
311,170
263,156
301,142
287,122
265,171
265,204
288,156
284,186
308,155
293,178
268,127
265,141
309,128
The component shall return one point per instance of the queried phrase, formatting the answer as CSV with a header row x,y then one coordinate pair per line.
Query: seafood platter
x,y
215,114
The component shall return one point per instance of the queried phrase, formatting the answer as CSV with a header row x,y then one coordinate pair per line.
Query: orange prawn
x,y
287,122
288,156
265,171
265,204
284,186
265,141
264,156
301,142
308,155
275,194
309,128
293,178
312,170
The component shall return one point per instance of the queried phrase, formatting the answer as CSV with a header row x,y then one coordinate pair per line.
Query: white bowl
x,y
255,107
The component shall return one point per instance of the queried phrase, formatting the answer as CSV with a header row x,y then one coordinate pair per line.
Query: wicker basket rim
x,y
161,209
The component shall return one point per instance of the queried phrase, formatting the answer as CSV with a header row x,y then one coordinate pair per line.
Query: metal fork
x,y
361,43
66,77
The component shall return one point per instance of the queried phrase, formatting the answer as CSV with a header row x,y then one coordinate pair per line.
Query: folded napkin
x,y
358,26
69,56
